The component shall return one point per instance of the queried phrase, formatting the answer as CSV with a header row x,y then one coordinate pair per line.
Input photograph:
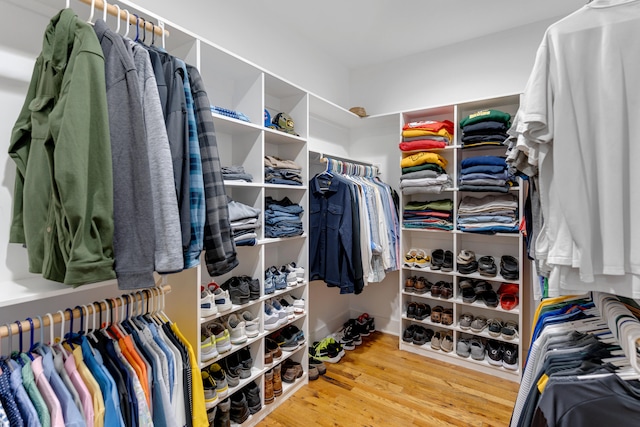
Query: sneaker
x,y
207,303
232,367
495,350
269,283
220,297
271,318
349,333
246,362
254,287
252,394
344,339
252,326
223,411
279,279
446,344
477,349
465,320
292,338
320,366
208,350
283,317
218,374
299,272
290,275
462,348
478,324
236,330
509,330
288,307
238,290
298,304
510,357
313,373
210,393
370,323
326,350
239,408
222,337
495,327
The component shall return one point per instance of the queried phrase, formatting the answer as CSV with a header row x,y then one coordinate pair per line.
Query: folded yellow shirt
x,y
410,133
422,158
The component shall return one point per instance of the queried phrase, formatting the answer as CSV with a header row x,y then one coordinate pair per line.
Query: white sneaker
x,y
236,329
208,349
207,304
271,317
291,275
252,326
282,313
298,305
298,270
220,297
287,302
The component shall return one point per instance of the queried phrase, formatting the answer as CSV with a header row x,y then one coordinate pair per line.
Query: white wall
x,y
253,34
490,66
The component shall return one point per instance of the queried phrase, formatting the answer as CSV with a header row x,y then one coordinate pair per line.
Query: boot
x,y
223,414
268,387
277,381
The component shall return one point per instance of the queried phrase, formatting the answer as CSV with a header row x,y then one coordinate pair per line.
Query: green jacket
x,y
63,197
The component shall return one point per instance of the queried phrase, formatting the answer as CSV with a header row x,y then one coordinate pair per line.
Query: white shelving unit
x,y
495,245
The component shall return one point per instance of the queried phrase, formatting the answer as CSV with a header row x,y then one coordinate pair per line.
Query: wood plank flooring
x,y
380,386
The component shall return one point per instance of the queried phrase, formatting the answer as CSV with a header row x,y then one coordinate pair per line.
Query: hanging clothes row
x,y
118,171
354,224
582,368
135,369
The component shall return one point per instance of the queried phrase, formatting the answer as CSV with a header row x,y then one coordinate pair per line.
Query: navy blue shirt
x,y
331,240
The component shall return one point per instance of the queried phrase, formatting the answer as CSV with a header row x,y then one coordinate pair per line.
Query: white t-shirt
x,y
583,98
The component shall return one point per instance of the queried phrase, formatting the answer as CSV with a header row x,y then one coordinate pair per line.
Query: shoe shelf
x,y
234,309
478,276
481,305
456,240
485,334
426,322
279,292
255,374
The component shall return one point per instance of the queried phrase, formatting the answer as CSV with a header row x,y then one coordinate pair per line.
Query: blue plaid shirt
x,y
196,183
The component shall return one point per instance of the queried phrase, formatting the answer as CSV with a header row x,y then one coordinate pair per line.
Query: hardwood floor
x,y
379,385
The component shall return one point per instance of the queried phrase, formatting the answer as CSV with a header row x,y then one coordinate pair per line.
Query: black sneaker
x,y
223,414
495,351
352,330
238,290
246,362
510,357
252,394
239,408
254,287
232,367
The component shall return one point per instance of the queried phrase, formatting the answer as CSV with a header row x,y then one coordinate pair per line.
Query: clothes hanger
x,y
144,29
32,344
137,27
126,33
93,9
153,34
118,19
104,10
10,333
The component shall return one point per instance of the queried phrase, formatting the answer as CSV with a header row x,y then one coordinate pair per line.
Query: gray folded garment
x,y
431,189
442,180
419,175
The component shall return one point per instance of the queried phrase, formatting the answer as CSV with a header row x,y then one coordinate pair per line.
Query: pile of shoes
x,y
466,262
331,349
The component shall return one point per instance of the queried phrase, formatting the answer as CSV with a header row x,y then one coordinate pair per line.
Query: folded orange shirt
x,y
431,125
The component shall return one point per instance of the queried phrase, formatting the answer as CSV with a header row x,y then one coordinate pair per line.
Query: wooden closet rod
x,y
57,317
113,11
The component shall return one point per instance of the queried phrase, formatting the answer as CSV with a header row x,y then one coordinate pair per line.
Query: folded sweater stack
x,y
486,127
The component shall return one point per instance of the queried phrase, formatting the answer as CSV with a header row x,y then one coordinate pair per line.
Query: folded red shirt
x,y
431,125
421,144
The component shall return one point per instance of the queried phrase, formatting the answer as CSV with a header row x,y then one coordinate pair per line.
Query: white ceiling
x,y
365,32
